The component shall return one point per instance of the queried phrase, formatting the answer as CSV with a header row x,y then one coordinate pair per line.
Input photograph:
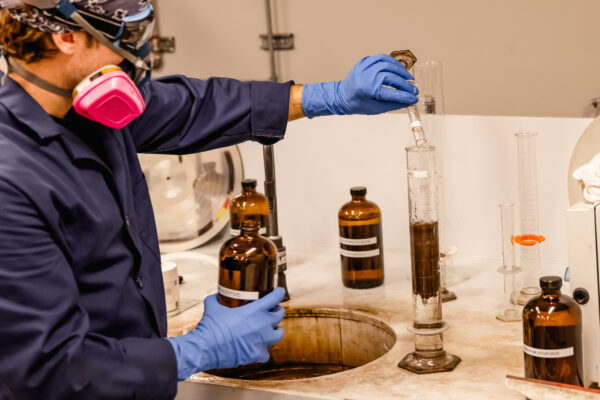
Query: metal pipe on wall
x,y
270,183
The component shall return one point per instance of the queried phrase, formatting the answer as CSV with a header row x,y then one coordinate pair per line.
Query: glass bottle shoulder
x,y
542,312
247,246
246,200
359,210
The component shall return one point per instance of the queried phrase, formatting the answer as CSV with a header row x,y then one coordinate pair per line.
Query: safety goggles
x,y
130,34
138,28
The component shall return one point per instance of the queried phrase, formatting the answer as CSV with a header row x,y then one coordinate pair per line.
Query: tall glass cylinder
x,y
429,76
508,268
529,239
429,355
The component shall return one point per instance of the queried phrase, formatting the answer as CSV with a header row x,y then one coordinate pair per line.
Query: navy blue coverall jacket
x,y
82,308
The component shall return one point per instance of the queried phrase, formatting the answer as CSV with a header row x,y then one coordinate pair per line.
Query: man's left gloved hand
x,y
363,90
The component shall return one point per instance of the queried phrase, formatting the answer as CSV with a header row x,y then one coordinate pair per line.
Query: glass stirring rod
x,y
408,59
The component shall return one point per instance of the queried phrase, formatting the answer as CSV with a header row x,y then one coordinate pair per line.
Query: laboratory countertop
x,y
489,349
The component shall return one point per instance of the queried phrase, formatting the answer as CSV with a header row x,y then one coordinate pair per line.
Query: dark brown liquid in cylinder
x,y
247,268
425,257
362,272
555,330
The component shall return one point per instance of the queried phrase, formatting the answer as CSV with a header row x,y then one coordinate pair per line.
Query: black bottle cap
x,y
358,191
551,282
249,183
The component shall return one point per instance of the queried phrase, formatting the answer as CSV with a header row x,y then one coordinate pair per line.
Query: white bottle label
x,y
358,242
281,258
238,294
417,174
236,232
548,353
359,254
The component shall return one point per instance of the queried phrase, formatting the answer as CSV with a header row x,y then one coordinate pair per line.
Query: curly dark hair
x,y
23,42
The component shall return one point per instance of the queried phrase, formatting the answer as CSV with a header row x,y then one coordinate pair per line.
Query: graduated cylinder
x,y
429,355
529,238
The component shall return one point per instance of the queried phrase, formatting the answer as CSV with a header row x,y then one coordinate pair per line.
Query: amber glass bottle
x,y
249,205
247,267
552,335
361,245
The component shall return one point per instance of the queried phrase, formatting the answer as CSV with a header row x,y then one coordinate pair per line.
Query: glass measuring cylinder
x,y
429,355
529,239
431,86
431,106
508,268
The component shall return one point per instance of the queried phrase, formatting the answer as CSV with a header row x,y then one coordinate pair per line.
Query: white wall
x,y
510,57
321,159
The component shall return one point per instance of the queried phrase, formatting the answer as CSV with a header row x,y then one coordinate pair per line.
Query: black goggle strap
x,y
12,66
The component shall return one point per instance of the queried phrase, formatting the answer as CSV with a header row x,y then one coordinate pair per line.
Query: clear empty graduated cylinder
x,y
429,355
529,239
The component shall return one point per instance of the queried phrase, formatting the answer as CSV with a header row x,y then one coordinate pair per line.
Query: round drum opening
x,y
319,342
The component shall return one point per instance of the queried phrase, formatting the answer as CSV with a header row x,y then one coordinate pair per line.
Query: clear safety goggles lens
x,y
138,28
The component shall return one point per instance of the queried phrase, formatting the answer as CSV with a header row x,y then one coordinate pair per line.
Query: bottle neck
x,y
358,197
249,190
249,230
551,294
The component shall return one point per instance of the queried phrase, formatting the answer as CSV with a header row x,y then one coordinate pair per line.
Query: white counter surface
x,y
489,349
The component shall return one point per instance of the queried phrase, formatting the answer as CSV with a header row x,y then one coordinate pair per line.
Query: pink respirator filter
x,y
109,98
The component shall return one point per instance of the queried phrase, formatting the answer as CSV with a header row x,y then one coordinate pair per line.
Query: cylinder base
x,y
510,316
447,295
527,293
420,364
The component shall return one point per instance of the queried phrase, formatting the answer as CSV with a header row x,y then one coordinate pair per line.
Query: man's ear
x,y
65,42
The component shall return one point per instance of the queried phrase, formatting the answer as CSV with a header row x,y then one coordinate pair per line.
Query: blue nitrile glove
x,y
362,91
228,337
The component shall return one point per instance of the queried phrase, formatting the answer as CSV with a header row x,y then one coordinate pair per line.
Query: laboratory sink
x,y
319,341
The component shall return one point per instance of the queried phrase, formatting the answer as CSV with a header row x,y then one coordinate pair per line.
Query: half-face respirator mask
x,y
109,95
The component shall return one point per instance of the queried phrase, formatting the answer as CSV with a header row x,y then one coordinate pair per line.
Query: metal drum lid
x,y
191,195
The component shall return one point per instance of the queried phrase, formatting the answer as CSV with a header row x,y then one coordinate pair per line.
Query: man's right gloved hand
x,y
228,337
375,85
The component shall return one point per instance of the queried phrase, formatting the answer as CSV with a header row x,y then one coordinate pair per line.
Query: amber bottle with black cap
x,y
249,205
552,335
247,267
361,246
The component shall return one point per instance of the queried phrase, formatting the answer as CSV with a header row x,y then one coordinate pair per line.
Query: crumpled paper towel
x,y
589,174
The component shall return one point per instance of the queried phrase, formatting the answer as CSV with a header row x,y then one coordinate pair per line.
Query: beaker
x,y
171,286
508,269
429,355
528,240
429,74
